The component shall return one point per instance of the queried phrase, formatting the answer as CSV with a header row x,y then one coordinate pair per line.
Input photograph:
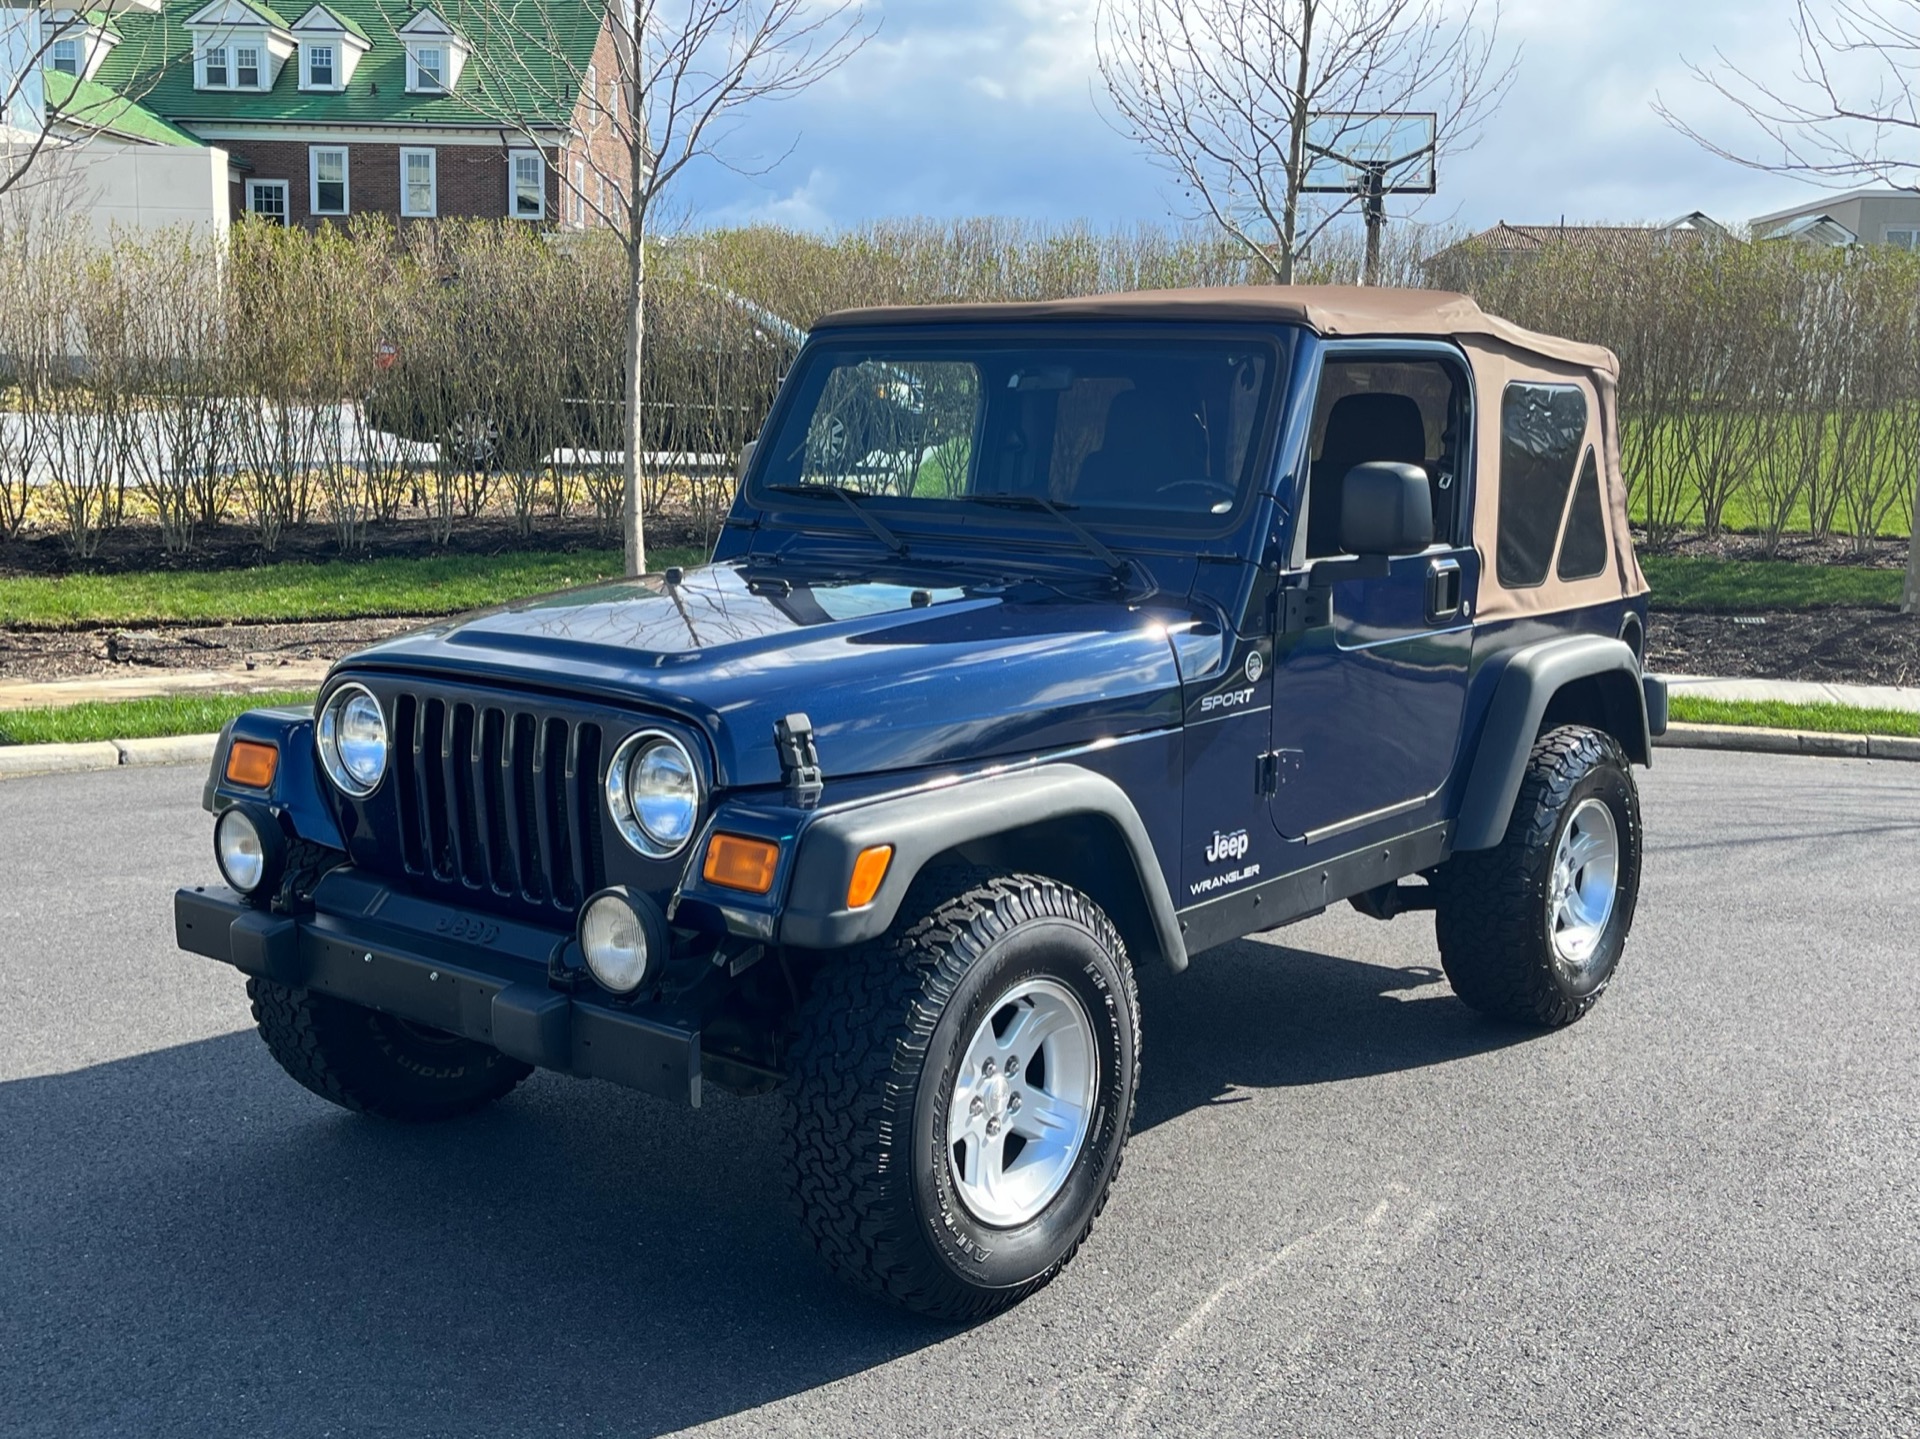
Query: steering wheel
x,y
1210,488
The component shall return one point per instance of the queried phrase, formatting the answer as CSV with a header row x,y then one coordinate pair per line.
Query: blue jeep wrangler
x,y
1042,641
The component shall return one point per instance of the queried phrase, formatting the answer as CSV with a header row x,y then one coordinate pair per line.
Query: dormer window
x,y
66,57
330,49
237,47
319,67
434,54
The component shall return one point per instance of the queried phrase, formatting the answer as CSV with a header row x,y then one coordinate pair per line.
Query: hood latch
x,y
799,760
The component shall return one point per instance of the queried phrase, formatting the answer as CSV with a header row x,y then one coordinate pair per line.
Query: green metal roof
x,y
347,22
534,80
88,102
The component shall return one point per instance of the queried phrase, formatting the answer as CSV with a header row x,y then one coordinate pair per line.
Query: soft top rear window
x,y
1146,432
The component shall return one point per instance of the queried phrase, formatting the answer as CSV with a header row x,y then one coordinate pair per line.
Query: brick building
x,y
455,108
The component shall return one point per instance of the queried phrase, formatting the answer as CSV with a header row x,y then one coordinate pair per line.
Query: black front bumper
x,y
446,968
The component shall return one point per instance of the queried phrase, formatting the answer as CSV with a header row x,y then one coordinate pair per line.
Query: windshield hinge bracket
x,y
799,760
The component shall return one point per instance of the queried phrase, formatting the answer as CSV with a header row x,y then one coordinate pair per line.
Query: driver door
x,y
1367,708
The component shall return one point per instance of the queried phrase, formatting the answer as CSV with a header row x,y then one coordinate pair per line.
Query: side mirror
x,y
1385,509
740,465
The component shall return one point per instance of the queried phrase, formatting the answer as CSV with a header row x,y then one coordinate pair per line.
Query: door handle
x,y
1443,589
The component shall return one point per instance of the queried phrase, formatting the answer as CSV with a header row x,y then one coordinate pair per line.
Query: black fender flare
x,y
1528,681
928,822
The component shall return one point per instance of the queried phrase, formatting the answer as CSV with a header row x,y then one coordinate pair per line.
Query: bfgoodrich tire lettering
x,y
373,1063
1494,916
872,1080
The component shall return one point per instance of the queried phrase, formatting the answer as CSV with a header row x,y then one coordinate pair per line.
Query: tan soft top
x,y
1344,311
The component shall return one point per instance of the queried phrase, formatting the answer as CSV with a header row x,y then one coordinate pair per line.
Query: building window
x,y
527,185
246,67
216,68
419,188
268,200
66,56
432,65
328,166
1904,239
319,67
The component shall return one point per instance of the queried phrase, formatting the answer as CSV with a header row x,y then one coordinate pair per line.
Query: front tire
x,y
1532,930
960,1092
372,1063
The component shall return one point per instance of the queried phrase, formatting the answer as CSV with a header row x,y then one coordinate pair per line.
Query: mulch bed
x,y
1843,645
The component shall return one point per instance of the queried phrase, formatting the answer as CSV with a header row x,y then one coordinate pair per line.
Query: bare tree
x,y
654,94
1221,92
1850,113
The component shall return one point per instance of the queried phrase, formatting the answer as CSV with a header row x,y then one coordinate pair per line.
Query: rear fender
x,y
1584,679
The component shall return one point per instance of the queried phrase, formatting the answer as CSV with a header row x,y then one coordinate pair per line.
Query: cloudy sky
x,y
969,107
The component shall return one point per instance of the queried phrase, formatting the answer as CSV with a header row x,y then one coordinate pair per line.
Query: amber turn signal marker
x,y
252,764
737,862
868,871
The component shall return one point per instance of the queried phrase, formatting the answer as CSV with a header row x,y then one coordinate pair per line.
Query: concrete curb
x,y
17,761
1750,739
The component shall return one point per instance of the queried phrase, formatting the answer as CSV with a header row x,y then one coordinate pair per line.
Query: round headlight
x,y
613,938
239,851
653,793
353,740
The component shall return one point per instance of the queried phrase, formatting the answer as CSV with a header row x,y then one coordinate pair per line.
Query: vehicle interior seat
x,y
1148,443
1362,429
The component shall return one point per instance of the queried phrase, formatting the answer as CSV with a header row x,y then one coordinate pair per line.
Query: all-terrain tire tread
x,y
302,1033
1488,901
854,1069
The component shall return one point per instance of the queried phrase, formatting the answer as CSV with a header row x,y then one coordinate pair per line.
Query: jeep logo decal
x,y
1255,668
1228,846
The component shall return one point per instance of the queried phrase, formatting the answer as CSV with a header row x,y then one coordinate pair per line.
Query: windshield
x,y
1156,434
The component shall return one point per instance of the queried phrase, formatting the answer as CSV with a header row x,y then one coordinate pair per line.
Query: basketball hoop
x,y
1372,156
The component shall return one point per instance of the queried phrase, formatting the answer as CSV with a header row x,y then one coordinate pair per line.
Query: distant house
x,y
1862,217
411,110
1504,245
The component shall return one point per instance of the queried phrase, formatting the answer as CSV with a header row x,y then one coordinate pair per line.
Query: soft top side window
x,y
1543,428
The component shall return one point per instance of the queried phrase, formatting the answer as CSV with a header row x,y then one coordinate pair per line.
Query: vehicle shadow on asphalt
x,y
190,1242
1253,1015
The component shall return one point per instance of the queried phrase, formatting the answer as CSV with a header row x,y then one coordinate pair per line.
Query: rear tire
x,y
901,1150
1532,930
372,1063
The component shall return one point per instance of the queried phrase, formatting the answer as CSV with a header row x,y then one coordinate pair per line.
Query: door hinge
x,y
1273,768
1304,608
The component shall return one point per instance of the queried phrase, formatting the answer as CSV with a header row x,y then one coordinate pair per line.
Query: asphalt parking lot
x,y
1350,1206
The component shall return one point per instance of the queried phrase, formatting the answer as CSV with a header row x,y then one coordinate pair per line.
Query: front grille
x,y
493,796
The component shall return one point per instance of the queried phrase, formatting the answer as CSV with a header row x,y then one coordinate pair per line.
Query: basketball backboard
x,y
1344,146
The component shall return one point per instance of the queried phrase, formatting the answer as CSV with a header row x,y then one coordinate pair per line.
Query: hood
x,y
892,674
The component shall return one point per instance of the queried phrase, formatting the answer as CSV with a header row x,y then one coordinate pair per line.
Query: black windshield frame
x,y
997,349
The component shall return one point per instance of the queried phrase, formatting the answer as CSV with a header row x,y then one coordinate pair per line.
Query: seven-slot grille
x,y
493,796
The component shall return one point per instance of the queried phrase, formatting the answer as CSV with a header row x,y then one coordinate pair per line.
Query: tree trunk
x,y
1910,593
633,466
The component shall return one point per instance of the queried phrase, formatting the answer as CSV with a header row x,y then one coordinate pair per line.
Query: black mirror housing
x,y
1385,509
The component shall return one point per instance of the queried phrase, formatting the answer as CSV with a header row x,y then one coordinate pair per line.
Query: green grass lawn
x,y
136,719
338,590
1779,714
1686,583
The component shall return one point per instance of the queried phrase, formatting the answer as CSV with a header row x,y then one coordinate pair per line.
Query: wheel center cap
x,y
995,1092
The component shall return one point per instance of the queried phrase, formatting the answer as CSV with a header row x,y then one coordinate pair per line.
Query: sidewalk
x,y
47,694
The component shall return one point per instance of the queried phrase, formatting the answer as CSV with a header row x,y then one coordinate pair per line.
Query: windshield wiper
x,y
851,498
1121,568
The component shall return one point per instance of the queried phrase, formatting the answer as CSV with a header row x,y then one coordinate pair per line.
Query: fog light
x,y
620,945
249,849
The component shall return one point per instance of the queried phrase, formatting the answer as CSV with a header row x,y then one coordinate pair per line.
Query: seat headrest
x,y
1375,427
